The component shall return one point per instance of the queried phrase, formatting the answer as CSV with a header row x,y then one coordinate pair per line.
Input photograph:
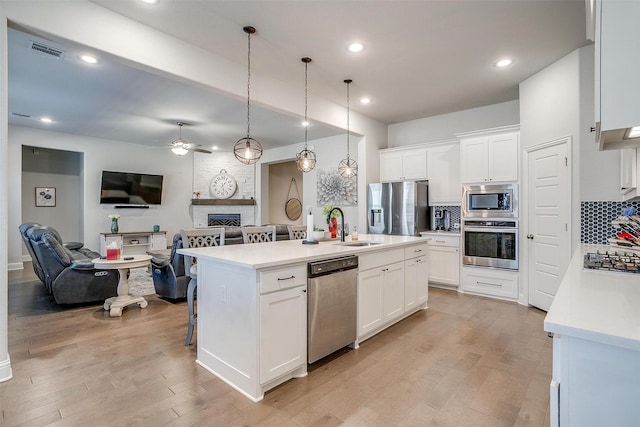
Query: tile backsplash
x,y
596,220
454,211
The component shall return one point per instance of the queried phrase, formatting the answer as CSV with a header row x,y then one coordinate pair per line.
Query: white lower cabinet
x,y
490,281
593,384
393,291
416,276
283,341
380,296
444,259
369,301
392,284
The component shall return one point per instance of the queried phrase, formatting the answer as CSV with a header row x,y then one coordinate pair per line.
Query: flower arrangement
x,y
197,194
114,216
327,208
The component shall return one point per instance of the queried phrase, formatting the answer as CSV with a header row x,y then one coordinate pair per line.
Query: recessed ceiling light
x,y
215,147
504,63
46,120
365,100
305,124
89,59
152,2
356,47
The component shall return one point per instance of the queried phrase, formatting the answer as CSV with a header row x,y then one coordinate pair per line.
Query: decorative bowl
x,y
317,235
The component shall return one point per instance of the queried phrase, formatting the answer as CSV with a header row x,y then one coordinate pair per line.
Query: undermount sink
x,y
358,243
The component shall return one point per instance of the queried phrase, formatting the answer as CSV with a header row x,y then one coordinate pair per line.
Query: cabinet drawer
x,y
416,250
439,240
283,278
499,283
376,259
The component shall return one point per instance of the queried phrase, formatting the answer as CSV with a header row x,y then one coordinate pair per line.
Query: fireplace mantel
x,y
222,202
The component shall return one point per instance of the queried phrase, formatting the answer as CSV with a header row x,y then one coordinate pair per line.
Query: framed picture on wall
x,y
45,196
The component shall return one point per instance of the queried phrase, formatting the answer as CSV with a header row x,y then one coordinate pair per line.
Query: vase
x,y
114,225
333,227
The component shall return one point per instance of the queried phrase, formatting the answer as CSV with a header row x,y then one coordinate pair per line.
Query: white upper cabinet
x,y
489,158
444,174
617,71
401,164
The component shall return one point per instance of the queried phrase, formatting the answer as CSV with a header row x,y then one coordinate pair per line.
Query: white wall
x,y
445,126
63,171
282,189
100,155
329,152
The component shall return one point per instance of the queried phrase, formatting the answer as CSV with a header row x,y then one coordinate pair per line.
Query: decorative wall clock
x,y
222,185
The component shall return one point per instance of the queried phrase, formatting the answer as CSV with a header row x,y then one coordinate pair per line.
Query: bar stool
x,y
197,238
262,234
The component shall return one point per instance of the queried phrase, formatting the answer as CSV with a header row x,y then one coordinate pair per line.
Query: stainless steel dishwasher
x,y
332,304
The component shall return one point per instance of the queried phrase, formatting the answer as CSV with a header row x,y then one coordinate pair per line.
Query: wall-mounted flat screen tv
x,y
126,188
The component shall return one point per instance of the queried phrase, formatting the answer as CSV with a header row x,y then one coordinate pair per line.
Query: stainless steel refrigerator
x,y
400,208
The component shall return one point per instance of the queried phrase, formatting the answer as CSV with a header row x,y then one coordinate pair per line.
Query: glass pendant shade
x,y
306,160
348,168
248,150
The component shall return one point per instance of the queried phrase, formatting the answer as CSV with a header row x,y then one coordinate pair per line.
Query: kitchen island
x,y
595,319
252,304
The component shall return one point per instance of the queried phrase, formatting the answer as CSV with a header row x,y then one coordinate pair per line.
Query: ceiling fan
x,y
180,147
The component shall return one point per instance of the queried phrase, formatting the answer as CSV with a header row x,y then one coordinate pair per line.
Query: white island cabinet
x,y
252,304
595,319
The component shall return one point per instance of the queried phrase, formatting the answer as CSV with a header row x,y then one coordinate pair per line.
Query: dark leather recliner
x,y
168,275
70,276
77,249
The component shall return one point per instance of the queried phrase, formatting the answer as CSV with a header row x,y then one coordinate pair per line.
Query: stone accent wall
x,y
205,167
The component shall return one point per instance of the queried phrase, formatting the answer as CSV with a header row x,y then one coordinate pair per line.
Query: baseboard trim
x,y
15,266
5,369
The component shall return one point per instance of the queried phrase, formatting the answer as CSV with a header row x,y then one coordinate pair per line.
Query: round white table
x,y
116,304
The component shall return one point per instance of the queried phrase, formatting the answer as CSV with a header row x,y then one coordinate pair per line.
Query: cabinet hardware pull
x,y
287,278
487,283
304,290
417,250
440,241
530,236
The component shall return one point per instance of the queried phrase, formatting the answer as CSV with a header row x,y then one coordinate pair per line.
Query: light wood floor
x,y
466,361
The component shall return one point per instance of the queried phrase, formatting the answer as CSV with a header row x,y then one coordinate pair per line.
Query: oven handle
x,y
491,230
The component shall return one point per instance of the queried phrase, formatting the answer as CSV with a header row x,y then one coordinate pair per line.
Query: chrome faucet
x,y
341,221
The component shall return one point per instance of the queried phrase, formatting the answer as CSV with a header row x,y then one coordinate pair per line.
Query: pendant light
x,y
179,144
306,159
248,150
348,167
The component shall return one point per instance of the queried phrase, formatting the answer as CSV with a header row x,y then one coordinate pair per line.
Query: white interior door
x,y
548,228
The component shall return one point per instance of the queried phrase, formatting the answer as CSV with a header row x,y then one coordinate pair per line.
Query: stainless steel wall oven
x,y
490,243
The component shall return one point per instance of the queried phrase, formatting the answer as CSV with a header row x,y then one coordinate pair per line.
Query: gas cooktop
x,y
625,262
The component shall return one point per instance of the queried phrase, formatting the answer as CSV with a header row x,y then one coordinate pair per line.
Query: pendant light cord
x,y
306,122
248,82
348,82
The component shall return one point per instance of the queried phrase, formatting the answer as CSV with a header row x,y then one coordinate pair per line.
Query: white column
x,y
5,362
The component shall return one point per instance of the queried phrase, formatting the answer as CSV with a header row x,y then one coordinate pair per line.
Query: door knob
x,y
530,236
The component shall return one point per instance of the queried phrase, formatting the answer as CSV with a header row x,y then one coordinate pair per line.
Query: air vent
x,y
47,50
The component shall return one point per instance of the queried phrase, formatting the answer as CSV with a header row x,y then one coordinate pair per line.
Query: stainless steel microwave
x,y
490,201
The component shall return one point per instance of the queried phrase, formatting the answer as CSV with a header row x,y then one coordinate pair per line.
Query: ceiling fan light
x,y
179,151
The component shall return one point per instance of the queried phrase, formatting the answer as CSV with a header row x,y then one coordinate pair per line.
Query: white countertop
x,y
594,305
273,254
